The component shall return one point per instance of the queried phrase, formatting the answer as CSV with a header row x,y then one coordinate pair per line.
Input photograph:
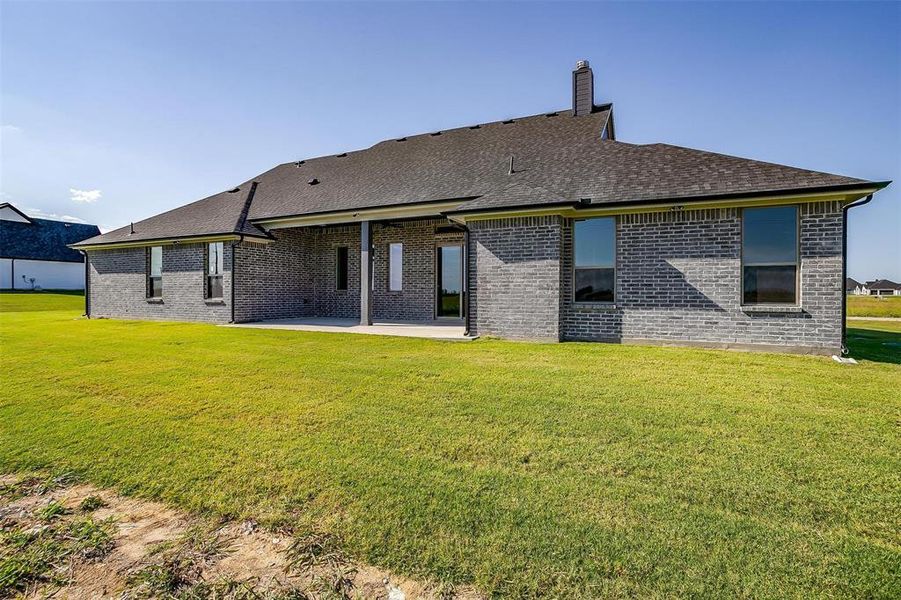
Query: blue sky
x,y
112,112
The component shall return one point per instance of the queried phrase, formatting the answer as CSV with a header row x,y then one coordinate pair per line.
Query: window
x,y
769,255
395,267
214,270
155,272
341,267
595,260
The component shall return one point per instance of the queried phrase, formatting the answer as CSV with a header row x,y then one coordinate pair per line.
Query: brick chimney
x,y
583,89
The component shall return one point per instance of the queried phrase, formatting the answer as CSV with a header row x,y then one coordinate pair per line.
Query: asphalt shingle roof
x,y
221,213
883,284
557,158
42,239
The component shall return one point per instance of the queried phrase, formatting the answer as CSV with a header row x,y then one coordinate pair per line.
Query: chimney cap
x,y
581,64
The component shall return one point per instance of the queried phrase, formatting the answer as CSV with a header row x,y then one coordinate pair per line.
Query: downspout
x,y
845,210
87,284
466,291
234,277
12,274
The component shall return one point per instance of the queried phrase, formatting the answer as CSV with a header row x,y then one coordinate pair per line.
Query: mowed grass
x,y
872,306
28,301
565,470
875,340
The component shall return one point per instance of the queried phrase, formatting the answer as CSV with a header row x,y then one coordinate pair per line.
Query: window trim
x,y
207,276
338,287
148,281
797,263
599,303
401,288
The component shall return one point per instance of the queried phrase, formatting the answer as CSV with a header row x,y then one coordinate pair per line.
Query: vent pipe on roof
x,y
132,229
583,89
511,171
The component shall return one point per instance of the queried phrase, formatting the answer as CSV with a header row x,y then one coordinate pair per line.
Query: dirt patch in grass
x,y
72,540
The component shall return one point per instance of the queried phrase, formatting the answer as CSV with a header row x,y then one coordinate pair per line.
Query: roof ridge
x,y
12,207
60,221
484,124
600,109
242,216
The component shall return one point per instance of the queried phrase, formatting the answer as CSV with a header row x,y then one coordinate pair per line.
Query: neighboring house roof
x,y
851,284
43,239
557,158
883,284
8,210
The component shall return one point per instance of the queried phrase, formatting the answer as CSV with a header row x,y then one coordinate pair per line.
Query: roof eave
x,y
862,186
515,207
169,240
840,192
364,213
42,258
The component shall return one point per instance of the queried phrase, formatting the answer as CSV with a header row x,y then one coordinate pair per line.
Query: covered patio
x,y
402,275
436,330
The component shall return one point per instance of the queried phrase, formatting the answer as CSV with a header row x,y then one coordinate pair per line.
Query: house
x,y
852,286
882,287
544,227
35,253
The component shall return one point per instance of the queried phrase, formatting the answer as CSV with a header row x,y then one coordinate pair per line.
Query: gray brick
x,y
515,277
678,280
118,285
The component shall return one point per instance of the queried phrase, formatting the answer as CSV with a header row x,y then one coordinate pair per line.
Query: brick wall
x,y
275,280
679,279
515,277
329,300
118,285
418,298
296,275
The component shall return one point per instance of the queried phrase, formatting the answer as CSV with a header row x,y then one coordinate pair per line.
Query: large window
x,y
395,267
595,260
214,270
769,255
155,272
341,268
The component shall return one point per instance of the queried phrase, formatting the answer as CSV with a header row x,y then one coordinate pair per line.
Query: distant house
x,y
34,253
852,286
882,287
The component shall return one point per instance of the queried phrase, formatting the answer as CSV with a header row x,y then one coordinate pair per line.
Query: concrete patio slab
x,y
435,330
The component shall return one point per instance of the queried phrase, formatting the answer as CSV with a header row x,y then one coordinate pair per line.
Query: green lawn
x,y
564,470
871,306
28,301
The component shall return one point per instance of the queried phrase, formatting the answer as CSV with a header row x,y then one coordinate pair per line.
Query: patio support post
x,y
365,273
